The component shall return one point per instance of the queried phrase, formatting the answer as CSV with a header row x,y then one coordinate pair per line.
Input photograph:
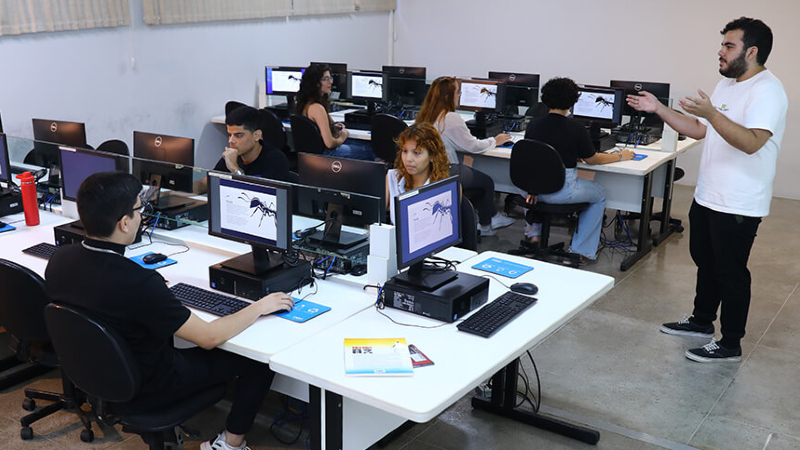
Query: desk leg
x,y
667,226
502,402
643,242
329,411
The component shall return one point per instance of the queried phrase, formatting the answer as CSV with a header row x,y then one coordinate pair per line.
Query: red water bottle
x,y
29,203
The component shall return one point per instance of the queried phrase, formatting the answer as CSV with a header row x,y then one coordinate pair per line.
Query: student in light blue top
x,y
421,159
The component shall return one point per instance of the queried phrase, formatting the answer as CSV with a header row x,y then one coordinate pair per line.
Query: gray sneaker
x,y
685,327
712,352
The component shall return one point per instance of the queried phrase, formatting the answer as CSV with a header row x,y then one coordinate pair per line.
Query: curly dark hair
x,y
427,137
310,92
755,34
560,93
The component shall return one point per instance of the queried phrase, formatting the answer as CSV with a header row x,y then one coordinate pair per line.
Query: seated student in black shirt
x,y
95,276
248,154
573,143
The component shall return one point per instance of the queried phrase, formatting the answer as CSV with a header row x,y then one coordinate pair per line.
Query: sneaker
x,y
712,352
487,230
501,220
220,444
685,327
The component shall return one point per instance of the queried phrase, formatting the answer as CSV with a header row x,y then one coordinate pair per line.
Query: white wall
x,y
593,41
181,75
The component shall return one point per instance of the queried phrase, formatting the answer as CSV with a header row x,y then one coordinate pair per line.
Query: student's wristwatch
x,y
619,153
239,171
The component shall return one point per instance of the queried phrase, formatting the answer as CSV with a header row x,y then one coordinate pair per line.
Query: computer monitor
x,y
339,75
639,118
5,165
254,211
599,107
481,96
283,80
48,132
78,164
426,222
162,161
326,195
404,85
522,89
366,86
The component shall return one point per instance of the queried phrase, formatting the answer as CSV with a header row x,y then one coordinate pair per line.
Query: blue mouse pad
x,y
639,156
158,265
303,311
7,227
502,267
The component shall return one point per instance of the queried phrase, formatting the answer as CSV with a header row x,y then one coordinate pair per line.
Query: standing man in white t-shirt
x,y
742,124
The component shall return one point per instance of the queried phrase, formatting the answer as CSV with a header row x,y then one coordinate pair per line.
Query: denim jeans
x,y
353,149
590,221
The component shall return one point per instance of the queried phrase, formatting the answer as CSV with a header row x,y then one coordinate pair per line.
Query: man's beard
x,y
736,68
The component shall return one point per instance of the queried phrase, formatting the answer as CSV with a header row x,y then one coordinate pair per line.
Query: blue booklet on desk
x,y
639,156
502,267
303,311
6,227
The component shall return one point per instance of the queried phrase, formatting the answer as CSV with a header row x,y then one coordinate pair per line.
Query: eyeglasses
x,y
144,208
327,78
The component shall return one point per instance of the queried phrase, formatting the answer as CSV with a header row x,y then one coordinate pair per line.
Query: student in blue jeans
x,y
572,142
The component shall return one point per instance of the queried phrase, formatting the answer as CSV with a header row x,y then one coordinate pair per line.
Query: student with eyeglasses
x,y
312,102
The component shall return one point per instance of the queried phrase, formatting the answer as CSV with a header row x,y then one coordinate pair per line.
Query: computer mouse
x,y
507,144
358,270
524,288
153,258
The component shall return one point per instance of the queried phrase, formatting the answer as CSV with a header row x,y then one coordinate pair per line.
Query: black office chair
x,y
385,129
537,168
22,305
115,146
469,225
305,133
100,364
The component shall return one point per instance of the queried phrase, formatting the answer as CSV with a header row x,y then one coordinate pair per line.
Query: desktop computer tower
x,y
10,203
285,278
447,303
482,131
174,218
73,233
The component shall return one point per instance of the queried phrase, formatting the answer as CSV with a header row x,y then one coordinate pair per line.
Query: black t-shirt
x,y
569,138
126,297
271,163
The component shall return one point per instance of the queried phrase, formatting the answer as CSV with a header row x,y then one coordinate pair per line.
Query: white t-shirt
x,y
456,136
730,180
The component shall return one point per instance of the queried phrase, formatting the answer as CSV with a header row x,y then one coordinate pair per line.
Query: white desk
x,y
629,185
373,406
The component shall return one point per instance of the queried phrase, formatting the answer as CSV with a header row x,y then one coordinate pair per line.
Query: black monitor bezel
x,y
660,90
519,82
264,182
400,224
286,68
499,101
178,177
143,150
5,161
120,165
619,100
43,132
369,178
364,73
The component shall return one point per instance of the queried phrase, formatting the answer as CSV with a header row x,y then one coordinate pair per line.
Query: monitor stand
x,y
256,263
333,238
426,280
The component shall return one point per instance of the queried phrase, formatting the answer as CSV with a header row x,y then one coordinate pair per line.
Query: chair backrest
x,y
385,129
114,146
91,355
272,130
305,133
469,225
23,298
536,167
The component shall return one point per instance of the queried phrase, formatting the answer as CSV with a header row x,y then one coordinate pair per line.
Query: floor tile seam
x,y
418,438
774,317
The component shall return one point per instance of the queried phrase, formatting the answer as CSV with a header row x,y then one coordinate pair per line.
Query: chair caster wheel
x,y
26,433
28,404
87,435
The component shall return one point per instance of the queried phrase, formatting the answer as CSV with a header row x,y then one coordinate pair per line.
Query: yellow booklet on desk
x,y
381,357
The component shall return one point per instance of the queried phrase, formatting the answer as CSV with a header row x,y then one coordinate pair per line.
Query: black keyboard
x,y
358,126
42,250
205,300
497,314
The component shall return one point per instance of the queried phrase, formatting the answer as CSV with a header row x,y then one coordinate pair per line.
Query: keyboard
x,y
42,250
208,301
497,314
358,126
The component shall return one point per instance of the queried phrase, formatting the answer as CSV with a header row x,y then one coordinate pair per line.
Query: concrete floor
x,y
609,368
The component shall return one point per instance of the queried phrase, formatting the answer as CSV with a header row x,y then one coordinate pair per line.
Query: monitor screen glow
x,y
283,80
600,104
478,95
367,85
77,165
